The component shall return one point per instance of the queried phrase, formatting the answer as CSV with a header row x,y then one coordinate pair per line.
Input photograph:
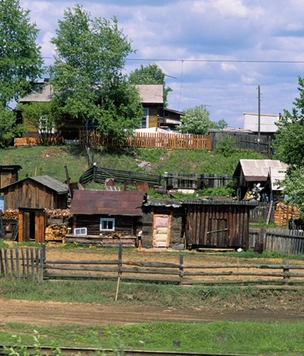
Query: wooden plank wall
x,y
198,222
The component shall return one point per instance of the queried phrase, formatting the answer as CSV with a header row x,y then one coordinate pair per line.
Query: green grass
x,y
51,160
258,338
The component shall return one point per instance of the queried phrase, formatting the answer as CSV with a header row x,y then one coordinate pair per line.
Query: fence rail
x,y
176,272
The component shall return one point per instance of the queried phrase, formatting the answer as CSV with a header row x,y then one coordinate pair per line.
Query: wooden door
x,y
161,230
218,233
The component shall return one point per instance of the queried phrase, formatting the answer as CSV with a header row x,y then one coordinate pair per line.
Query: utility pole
x,y
259,115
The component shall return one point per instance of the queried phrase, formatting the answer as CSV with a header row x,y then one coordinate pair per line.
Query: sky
x,y
214,52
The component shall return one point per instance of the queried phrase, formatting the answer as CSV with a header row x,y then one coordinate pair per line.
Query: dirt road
x,y
53,313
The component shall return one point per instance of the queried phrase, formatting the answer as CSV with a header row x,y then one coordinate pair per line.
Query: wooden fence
x,y
284,241
22,262
149,140
176,273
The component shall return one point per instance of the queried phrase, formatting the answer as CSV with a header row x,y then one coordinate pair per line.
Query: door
x,y
218,233
161,230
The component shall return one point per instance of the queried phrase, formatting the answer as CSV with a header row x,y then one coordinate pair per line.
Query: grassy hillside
x,y
52,160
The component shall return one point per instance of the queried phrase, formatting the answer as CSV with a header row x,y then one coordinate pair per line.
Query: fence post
x,y
286,270
42,262
181,267
119,270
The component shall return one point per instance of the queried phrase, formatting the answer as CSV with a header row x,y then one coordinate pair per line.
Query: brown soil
x,y
271,308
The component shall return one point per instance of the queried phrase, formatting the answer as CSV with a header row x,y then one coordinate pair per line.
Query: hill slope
x,y
51,160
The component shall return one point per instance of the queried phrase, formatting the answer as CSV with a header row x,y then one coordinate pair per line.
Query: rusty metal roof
x,y
97,202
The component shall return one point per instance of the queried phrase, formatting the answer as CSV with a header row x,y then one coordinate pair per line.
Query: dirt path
x,y
51,313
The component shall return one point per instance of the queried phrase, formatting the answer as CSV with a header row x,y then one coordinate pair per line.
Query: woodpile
x,y
284,213
56,232
10,214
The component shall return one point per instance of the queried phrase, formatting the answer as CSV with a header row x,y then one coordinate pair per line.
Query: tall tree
x,y
289,138
87,73
20,61
289,147
196,120
151,74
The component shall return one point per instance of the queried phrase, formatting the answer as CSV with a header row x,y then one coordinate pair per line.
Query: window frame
x,y
112,220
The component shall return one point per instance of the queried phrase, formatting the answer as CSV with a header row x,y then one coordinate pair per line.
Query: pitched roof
x,y
260,169
102,202
43,94
151,93
51,183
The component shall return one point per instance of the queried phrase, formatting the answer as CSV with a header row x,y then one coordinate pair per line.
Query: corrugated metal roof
x,y
94,202
259,170
151,93
52,183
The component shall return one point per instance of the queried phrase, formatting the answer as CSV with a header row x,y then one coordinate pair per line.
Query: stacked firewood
x,y
10,214
56,232
284,213
58,213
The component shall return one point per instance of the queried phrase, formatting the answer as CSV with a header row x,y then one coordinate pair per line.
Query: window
x,y
107,224
145,119
80,231
45,126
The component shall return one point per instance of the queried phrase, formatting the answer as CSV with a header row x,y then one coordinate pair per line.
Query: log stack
x,y
56,233
284,213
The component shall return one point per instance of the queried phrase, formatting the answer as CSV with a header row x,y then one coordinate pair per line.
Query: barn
x,y
217,224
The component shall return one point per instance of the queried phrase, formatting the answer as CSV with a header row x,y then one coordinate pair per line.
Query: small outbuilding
x,y
217,224
163,221
101,212
35,192
265,172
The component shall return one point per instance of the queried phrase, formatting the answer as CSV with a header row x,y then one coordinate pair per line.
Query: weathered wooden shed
x,y
35,192
217,224
101,212
163,221
8,174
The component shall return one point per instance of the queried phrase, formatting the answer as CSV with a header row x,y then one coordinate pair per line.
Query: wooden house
x,y
151,98
35,192
107,214
217,224
162,223
170,119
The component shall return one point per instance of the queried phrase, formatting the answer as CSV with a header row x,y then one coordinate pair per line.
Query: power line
x,y
214,60
209,60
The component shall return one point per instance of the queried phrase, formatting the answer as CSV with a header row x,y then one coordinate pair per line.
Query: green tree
x,y
196,120
20,62
151,74
221,124
289,138
289,147
87,73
